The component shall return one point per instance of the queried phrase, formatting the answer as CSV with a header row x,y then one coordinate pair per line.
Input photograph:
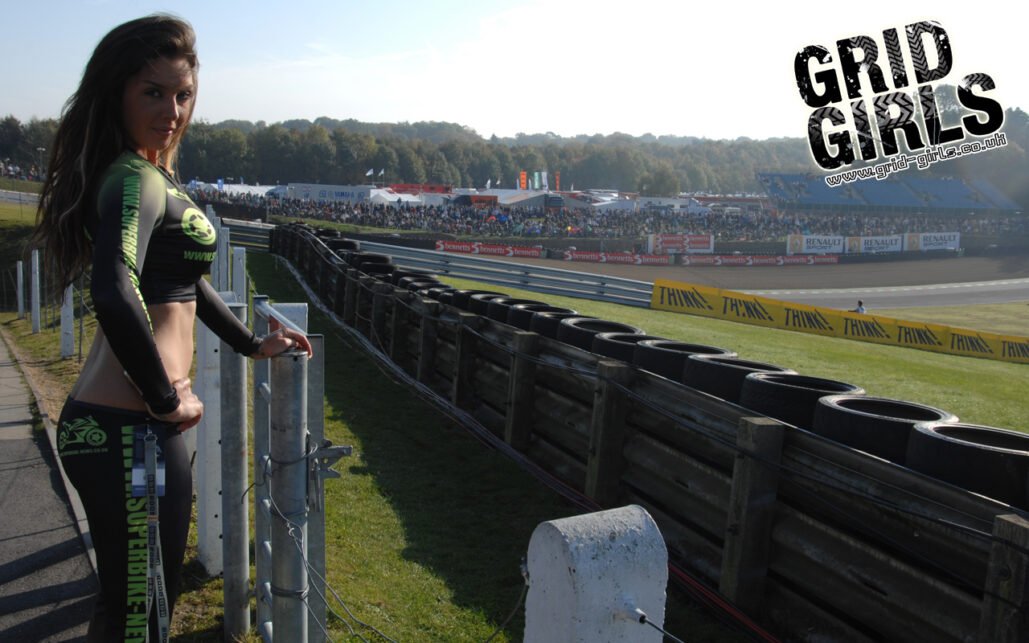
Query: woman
x,y
110,202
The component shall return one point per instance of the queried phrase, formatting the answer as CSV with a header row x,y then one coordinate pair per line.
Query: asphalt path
x,y
897,284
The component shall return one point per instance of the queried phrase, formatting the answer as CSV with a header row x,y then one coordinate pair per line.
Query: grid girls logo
x,y
852,119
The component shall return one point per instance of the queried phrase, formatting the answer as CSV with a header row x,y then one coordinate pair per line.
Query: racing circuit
x,y
929,282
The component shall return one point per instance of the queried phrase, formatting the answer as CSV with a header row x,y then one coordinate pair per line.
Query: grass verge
x,y
16,185
1006,319
427,527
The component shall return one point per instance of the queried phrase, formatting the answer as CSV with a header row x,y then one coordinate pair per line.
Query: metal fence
x,y
535,278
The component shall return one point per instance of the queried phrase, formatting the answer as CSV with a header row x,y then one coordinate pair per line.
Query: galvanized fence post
x,y
288,482
240,283
234,510
267,404
34,288
208,453
20,288
68,322
262,443
316,505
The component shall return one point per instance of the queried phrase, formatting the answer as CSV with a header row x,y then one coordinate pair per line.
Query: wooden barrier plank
x,y
883,502
463,378
1005,613
491,383
693,492
872,587
571,440
521,390
557,462
788,611
709,445
688,547
607,432
752,501
574,385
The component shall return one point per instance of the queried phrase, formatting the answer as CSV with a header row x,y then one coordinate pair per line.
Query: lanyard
x,y
155,568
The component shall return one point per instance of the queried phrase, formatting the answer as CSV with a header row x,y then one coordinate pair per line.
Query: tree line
x,y
343,151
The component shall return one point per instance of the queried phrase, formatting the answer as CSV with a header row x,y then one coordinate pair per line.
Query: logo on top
x,y
853,120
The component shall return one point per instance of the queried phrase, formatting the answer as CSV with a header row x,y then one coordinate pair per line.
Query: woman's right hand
x,y
190,409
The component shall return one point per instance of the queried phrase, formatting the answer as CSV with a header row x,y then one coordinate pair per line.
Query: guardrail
x,y
551,281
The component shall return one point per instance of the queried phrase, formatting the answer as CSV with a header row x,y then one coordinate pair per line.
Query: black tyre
x,y
789,397
579,331
405,282
461,297
447,296
416,286
520,315
875,425
546,324
723,376
403,271
438,292
990,461
382,270
327,233
668,358
360,259
339,246
479,303
619,345
500,308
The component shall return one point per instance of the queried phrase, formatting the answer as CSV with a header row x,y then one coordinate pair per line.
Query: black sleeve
x,y
216,315
130,204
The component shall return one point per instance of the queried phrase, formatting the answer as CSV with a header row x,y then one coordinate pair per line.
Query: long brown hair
x,y
91,136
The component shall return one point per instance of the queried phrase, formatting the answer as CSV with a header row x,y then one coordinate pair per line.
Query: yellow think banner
x,y
735,306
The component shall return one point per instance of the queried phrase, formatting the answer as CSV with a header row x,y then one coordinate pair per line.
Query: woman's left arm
x,y
213,312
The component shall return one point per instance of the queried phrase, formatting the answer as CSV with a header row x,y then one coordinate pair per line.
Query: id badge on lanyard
x,y
139,463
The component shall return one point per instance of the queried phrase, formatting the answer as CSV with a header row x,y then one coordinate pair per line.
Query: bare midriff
x,y
103,381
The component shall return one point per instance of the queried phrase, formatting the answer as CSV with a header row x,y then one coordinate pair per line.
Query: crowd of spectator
x,y
622,224
11,170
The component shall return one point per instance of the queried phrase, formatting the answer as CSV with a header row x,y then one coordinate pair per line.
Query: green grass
x,y
15,185
16,223
427,526
1005,319
976,390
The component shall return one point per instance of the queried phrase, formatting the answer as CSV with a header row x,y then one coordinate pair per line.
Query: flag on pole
x,y
489,182
369,172
543,181
382,171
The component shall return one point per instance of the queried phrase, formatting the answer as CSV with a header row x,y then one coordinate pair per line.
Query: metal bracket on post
x,y
320,468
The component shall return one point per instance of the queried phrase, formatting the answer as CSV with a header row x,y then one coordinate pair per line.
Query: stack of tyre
x,y
986,460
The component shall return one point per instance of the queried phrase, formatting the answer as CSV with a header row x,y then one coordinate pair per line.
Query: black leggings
x,y
95,446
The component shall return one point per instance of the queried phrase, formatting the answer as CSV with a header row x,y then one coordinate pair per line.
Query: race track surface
x,y
930,282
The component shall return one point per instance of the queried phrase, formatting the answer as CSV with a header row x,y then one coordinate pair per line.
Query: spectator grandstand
x,y
909,194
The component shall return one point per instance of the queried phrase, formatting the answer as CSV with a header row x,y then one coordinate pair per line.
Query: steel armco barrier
x,y
551,281
291,458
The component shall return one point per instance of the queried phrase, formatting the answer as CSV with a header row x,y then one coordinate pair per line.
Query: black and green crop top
x,y
152,245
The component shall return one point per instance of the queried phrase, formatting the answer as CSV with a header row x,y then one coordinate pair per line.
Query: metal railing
x,y
551,281
291,460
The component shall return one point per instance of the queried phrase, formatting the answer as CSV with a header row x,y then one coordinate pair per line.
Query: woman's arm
x,y
213,312
130,203
216,315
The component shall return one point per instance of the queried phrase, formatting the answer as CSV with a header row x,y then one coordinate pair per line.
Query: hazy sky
x,y
715,69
